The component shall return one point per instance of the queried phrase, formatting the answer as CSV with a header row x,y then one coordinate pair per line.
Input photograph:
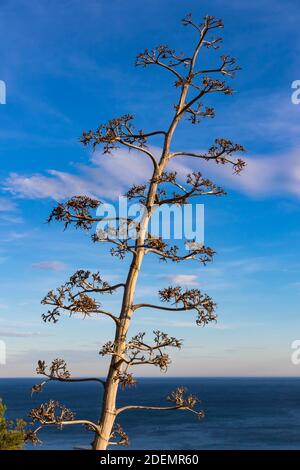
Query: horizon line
x,y
179,377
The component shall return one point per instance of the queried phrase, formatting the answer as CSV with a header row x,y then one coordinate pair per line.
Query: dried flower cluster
x,y
119,436
138,352
191,299
183,401
75,296
77,210
51,412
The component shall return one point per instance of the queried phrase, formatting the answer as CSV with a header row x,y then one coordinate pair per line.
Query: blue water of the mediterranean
x,y
240,413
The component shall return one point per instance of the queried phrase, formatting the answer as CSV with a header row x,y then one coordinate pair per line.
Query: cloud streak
x,y
6,205
184,279
108,177
19,334
50,265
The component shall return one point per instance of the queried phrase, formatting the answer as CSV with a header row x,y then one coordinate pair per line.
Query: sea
x,y
240,413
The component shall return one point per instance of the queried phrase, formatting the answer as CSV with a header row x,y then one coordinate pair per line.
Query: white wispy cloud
x,y
255,264
184,279
20,334
50,265
14,235
177,323
7,205
108,177
263,176
58,185
105,177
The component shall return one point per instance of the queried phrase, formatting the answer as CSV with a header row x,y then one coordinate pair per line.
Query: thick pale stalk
x,y
110,394
108,414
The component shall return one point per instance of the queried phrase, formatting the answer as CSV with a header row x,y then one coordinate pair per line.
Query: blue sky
x,y
68,66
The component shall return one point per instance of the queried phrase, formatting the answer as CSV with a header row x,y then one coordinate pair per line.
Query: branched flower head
x,y
195,185
181,400
107,349
137,191
119,435
37,388
166,177
191,299
56,371
121,236
138,352
73,295
31,436
197,251
116,131
51,412
76,210
211,85
198,112
224,148
162,53
210,22
125,379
